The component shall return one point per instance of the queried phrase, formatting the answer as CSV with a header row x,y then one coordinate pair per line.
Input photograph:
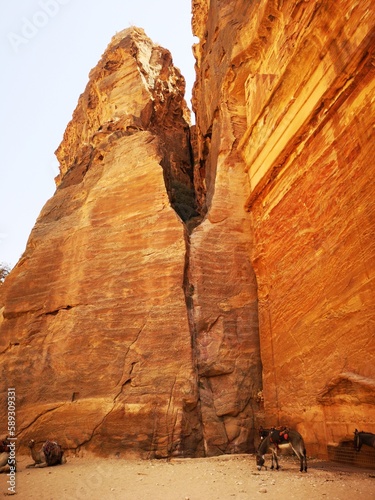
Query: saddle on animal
x,y
279,435
53,452
4,446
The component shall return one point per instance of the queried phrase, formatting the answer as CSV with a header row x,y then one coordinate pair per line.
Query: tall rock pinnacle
x,y
94,313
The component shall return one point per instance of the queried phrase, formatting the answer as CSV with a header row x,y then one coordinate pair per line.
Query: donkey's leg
x,y
277,461
301,454
304,456
274,458
300,462
303,459
298,453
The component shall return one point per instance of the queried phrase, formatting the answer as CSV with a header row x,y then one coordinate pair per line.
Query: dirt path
x,y
220,478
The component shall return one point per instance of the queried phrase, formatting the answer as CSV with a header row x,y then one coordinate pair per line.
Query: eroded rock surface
x,y
224,291
166,306
284,98
95,334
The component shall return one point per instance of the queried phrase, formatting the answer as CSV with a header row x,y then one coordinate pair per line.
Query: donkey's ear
x,y
355,432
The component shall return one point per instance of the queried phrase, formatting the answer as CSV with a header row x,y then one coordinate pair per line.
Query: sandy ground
x,y
219,478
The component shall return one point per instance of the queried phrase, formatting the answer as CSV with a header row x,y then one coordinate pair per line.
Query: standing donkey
x,y
281,439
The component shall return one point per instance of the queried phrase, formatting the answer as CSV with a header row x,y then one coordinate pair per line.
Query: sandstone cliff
x,y
95,334
138,334
167,305
284,100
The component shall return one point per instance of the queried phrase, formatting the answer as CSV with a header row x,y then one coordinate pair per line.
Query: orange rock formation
x,y
284,97
166,306
95,334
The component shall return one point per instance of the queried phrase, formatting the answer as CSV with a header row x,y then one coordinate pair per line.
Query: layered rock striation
x,y
167,302
136,337
95,335
284,97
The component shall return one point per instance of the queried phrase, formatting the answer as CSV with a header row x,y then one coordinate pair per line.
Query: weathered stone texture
x,y
166,306
290,86
224,298
95,334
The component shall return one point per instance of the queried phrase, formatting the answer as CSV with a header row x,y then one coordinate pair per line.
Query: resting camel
x,y
4,456
50,453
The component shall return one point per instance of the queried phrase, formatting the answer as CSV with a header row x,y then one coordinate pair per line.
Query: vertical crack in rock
x,y
192,407
225,311
170,121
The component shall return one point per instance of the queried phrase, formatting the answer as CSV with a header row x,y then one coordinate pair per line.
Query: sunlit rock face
x,y
95,335
284,100
168,305
138,332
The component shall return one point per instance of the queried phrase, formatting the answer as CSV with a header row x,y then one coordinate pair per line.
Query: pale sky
x,y
48,48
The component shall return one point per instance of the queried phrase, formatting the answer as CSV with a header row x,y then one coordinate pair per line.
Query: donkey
x,y
288,438
361,438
